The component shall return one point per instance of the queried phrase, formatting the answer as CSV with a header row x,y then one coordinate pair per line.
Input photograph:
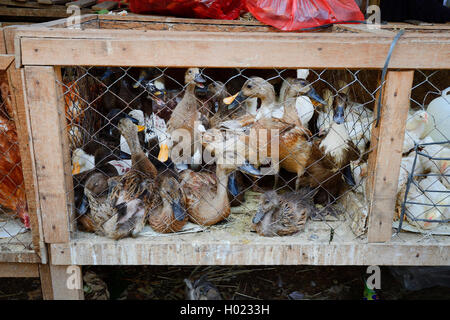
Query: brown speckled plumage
x,y
284,214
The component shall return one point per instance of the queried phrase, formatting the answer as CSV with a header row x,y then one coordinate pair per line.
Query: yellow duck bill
x,y
163,153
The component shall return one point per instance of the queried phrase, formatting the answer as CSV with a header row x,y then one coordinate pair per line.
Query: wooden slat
x,y
44,105
19,270
209,49
54,283
19,257
106,5
246,250
53,1
388,154
37,12
15,77
81,3
5,61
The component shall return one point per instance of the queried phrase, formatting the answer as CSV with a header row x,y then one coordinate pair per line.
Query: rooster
x,y
12,190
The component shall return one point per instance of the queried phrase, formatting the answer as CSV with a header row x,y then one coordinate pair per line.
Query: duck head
x,y
304,87
255,87
97,184
340,103
193,75
269,203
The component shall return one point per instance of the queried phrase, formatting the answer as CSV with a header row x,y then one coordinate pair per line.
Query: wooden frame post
x,y
46,109
61,282
385,159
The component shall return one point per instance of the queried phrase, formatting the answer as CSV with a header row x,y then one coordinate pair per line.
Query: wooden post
x,y
45,106
61,282
385,159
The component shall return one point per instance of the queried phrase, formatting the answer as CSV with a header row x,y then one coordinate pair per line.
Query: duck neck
x,y
222,183
132,140
139,160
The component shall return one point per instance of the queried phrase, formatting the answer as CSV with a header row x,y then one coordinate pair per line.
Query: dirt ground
x,y
234,283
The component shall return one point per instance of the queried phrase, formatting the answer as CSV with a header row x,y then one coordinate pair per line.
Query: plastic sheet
x,y
289,15
215,9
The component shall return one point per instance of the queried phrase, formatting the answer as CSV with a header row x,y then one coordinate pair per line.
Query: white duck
x,y
441,166
421,208
415,127
437,193
81,161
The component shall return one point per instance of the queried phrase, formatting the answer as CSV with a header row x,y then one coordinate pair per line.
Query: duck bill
x,y
134,120
76,168
199,81
315,97
348,176
84,206
140,128
107,74
178,212
235,100
339,115
139,82
233,187
258,217
250,169
163,153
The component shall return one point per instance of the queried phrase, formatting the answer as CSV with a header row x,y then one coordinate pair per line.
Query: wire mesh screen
x,y
424,194
168,150
14,217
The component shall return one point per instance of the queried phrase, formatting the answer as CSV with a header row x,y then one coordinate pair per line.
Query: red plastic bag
x,y
215,9
289,15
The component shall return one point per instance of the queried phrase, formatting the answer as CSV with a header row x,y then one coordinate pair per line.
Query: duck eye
x,y
249,86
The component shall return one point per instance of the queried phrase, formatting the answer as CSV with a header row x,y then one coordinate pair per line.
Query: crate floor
x,y
228,245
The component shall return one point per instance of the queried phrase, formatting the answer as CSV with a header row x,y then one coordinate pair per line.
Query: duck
x,y
207,200
436,159
337,143
169,213
123,211
328,166
294,141
186,117
415,127
163,101
298,96
419,207
201,289
283,214
437,193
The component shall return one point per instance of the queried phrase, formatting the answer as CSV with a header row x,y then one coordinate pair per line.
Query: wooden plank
x,y
27,4
19,257
167,19
388,154
5,61
81,3
211,49
46,281
155,25
222,248
44,105
56,282
36,12
16,78
106,5
19,270
53,1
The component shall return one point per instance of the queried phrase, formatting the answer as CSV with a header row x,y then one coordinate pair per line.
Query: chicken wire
x,y
96,98
15,235
423,203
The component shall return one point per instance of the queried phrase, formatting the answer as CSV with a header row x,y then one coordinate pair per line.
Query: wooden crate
x,y
141,41
27,247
